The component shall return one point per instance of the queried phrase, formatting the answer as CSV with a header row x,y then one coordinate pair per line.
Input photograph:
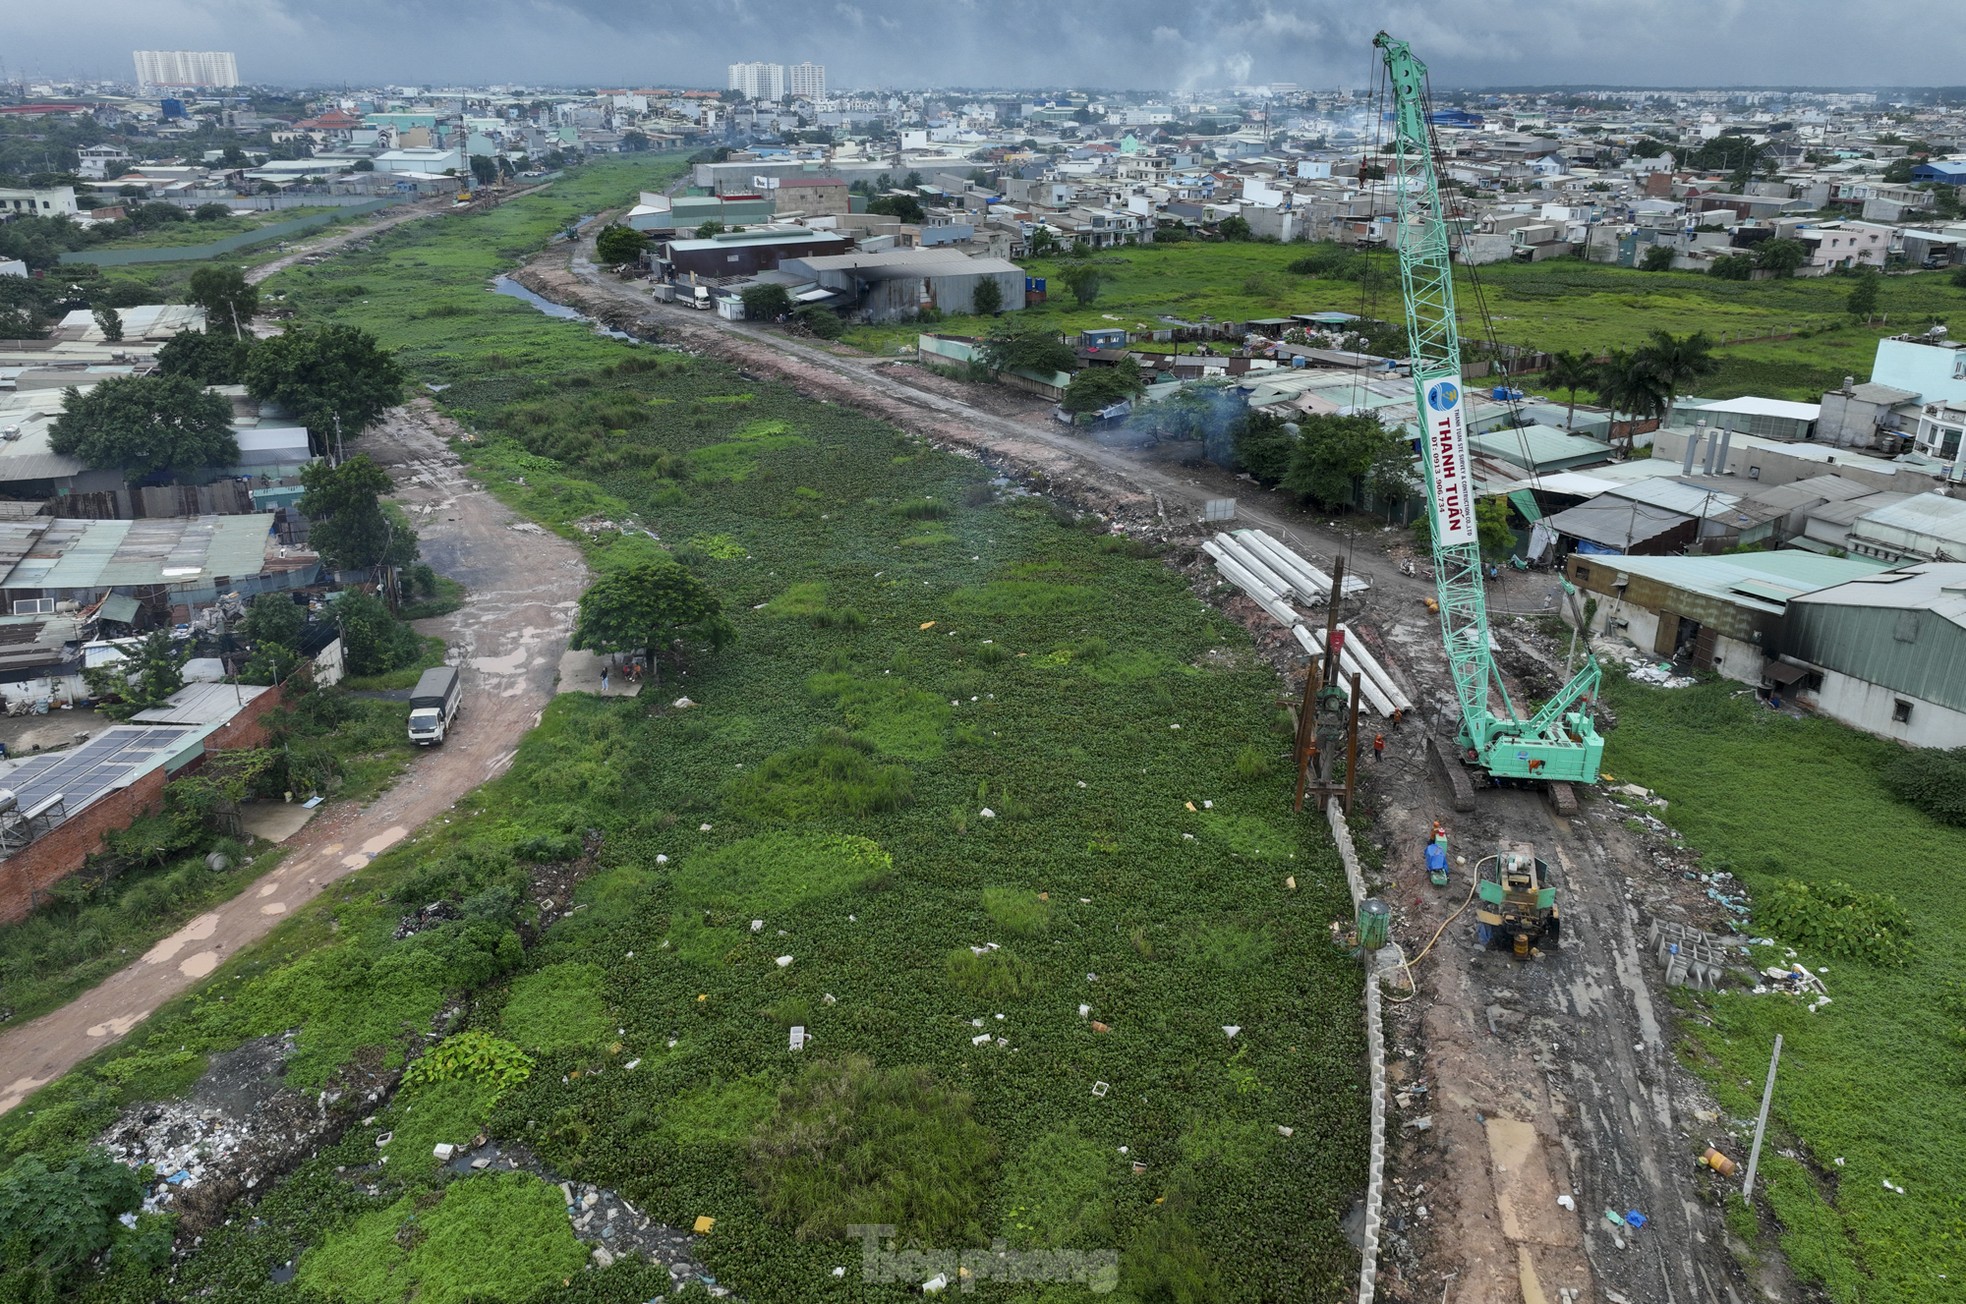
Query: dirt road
x,y
523,585
1543,1079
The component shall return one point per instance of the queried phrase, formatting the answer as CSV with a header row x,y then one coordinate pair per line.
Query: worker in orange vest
x,y
1378,747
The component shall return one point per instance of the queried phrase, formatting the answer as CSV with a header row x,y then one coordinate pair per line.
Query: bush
x,y
852,1143
1837,920
823,323
835,776
54,1220
998,975
1931,780
374,641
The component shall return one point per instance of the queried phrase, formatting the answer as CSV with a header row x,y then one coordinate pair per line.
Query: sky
x,y
1145,44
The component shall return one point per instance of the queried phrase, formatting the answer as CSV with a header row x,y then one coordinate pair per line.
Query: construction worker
x,y
1398,715
1378,747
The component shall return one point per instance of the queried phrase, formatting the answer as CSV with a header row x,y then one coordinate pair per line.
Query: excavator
x,y
1557,745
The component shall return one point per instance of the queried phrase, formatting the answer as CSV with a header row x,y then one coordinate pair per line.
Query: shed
x,y
1887,652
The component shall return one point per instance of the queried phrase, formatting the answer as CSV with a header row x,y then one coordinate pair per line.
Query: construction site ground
x,y
1532,1096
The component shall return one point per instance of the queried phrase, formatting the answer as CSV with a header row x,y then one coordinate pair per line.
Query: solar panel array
x,y
107,761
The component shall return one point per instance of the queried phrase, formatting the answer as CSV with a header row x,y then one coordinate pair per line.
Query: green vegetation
x,y
832,785
1797,809
1933,781
144,425
1562,304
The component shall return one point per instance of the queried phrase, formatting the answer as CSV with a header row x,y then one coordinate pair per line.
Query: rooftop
x,y
1937,587
59,554
1760,581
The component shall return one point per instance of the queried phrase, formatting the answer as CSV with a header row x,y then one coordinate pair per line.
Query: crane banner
x,y
1447,461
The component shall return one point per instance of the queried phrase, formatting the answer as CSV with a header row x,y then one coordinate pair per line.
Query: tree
x,y
373,641
823,323
1628,382
617,245
1677,360
1043,242
1781,255
1336,457
1493,534
208,357
1264,444
483,170
705,230
633,141
1097,388
1646,147
1863,295
1026,346
336,379
1657,258
274,618
1234,228
351,527
649,607
905,208
1732,267
143,680
913,181
211,212
55,1220
144,425
363,165
111,325
1570,372
1083,280
228,299
987,299
17,324
765,302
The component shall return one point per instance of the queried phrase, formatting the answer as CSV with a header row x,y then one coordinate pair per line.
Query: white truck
x,y
699,298
433,705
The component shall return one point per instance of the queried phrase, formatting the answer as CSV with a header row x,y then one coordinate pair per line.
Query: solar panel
x,y
104,762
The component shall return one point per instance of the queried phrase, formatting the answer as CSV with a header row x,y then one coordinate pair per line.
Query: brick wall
x,y
32,871
27,874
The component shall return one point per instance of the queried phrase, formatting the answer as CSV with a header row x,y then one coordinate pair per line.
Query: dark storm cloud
x,y
1145,43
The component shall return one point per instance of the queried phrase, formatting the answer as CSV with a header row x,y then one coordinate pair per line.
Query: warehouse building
x,y
899,284
1885,653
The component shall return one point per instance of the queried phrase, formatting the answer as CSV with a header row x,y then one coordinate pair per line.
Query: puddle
x,y
507,286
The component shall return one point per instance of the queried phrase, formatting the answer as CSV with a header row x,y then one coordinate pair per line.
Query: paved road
x,y
509,635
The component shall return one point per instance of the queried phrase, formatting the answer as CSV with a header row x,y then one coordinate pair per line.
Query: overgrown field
x,y
981,798
1871,1088
1562,304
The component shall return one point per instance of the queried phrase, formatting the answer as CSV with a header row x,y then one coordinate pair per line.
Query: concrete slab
x,y
580,672
24,735
276,821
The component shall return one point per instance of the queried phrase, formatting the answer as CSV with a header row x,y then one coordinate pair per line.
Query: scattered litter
x,y
1174,726
828,999
979,1039
183,1175
1084,1009
682,704
839,1272
1139,1168
443,1150
798,1036
1092,977
1720,1163
1081,783
384,1139
1291,882
1660,676
1634,1219
1187,837
1839,1161
784,961
1232,1029
662,860
1190,805
1100,1089
703,828
1567,1202
1424,1123
704,1222
1611,1216
938,1283
1889,1185
757,925
632,1063
1101,1027
1286,1131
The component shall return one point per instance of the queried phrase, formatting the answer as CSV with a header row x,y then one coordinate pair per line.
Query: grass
x,y
812,789
557,1008
1775,799
193,233
449,597
498,1237
1560,304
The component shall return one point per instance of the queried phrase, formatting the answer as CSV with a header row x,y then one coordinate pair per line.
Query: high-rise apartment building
x,y
758,81
215,68
808,81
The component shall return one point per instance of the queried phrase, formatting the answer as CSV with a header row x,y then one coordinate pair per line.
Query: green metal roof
x,y
1763,581
1539,447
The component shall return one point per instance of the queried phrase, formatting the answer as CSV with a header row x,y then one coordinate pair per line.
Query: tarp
x,y
1525,502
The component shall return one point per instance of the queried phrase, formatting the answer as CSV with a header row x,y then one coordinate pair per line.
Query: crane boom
x,y
1559,743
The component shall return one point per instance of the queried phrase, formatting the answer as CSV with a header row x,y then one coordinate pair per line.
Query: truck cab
x,y
433,705
699,298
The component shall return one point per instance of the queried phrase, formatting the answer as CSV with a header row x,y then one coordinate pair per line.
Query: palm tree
x,y
1678,360
1630,382
1570,372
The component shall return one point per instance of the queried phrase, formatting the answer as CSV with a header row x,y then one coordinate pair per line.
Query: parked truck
x,y
433,705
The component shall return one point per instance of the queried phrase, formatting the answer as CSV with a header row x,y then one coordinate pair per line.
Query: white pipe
x,y
1287,560
1374,670
1311,588
1264,597
1313,641
1256,564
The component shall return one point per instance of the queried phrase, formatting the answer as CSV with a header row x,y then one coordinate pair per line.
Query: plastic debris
x,y
1084,1009
384,1139
1567,1202
703,828
443,1150
1291,882
979,1039
632,1063
784,961
1232,1029
704,1222
839,1272
661,860
1634,1219
1101,1027
757,925
926,624
987,813
1286,1131
1611,1216
1100,1089
938,1283
682,704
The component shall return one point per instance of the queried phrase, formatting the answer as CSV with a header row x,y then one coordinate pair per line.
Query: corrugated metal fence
x,y
197,253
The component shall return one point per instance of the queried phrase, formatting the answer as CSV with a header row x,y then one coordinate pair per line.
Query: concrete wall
x,y
1867,706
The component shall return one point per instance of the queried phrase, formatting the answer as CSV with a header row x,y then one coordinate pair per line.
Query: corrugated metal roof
x,y
1904,630
1763,581
1539,446
1678,496
95,555
201,704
